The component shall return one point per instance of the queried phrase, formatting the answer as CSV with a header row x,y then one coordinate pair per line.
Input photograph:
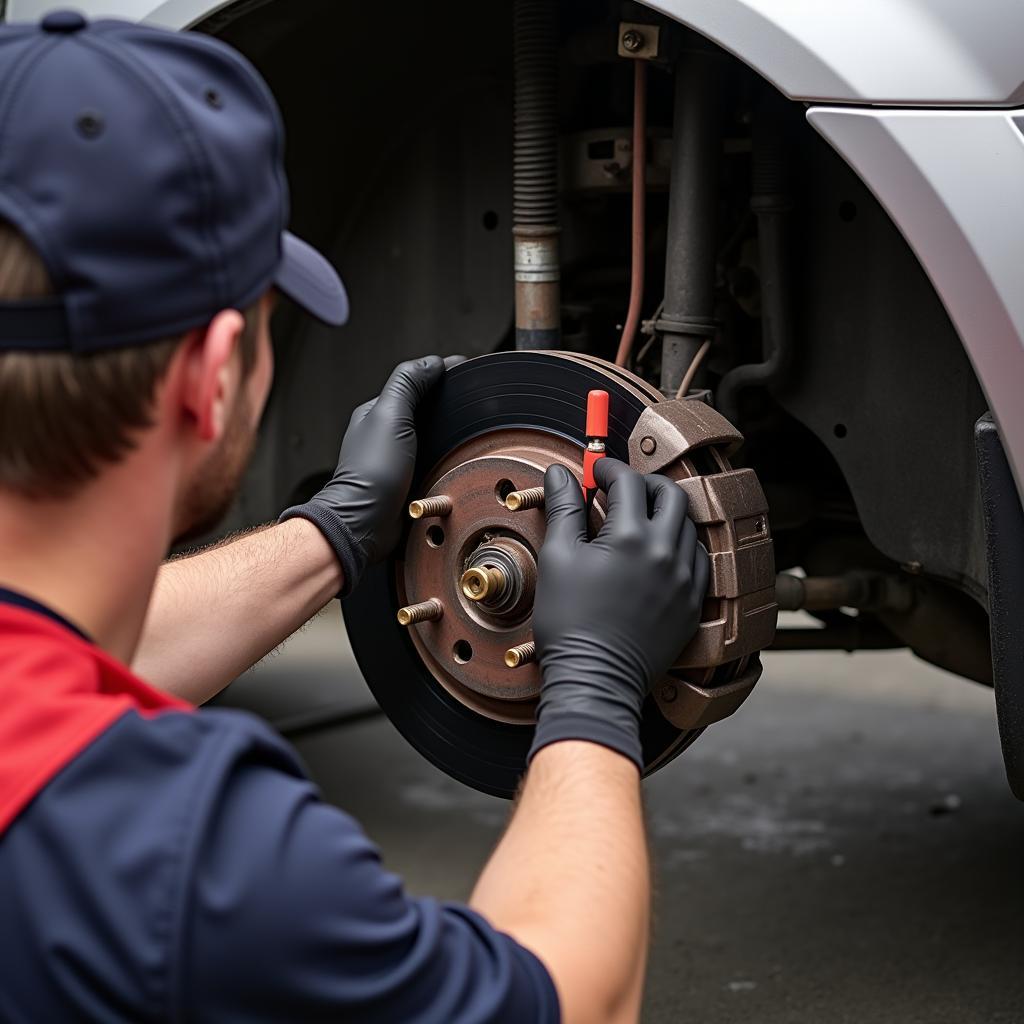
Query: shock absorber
x,y
688,316
535,175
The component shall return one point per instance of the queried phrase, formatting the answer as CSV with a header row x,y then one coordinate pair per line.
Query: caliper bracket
x,y
691,443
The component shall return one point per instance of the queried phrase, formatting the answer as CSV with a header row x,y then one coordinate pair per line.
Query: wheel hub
x,y
480,562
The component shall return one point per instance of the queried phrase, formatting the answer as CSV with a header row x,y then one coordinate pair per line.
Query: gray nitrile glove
x,y
611,614
360,509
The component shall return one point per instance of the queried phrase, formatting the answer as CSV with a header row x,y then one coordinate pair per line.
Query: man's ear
x,y
211,376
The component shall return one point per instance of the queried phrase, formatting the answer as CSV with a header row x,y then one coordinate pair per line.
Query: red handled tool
x,y
597,435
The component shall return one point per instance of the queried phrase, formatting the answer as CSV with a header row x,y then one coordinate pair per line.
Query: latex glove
x,y
361,509
610,615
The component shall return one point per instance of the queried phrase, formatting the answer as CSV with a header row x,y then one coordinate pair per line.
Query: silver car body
x,y
916,95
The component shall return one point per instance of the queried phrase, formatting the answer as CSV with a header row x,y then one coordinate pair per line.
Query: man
x,y
160,864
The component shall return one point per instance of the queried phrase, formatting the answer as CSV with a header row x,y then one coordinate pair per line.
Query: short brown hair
x,y
63,416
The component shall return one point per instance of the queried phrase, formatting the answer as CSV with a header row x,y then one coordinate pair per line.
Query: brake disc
x,y
458,679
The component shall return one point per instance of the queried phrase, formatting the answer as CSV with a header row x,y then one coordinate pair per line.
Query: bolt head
x,y
648,446
632,40
668,693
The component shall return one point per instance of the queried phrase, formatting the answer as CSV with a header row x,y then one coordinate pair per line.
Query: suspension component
x,y
687,318
535,175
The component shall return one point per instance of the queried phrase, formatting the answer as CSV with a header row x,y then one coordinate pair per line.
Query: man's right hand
x,y
611,614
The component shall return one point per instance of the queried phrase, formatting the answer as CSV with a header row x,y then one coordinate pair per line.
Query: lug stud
x,y
425,611
520,501
524,654
439,506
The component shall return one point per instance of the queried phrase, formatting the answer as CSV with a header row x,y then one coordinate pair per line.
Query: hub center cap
x,y
500,579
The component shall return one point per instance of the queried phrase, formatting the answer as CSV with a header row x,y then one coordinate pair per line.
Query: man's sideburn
x,y
211,492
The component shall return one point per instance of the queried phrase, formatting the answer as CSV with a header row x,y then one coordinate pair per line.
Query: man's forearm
x,y
215,614
570,879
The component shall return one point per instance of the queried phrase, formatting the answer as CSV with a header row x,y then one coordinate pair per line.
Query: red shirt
x,y
58,693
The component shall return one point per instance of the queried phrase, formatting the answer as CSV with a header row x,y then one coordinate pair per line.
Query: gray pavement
x,y
845,849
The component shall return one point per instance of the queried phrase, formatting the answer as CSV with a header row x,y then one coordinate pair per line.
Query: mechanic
x,y
162,864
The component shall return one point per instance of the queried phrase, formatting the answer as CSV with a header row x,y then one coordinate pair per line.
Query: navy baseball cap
x,y
146,168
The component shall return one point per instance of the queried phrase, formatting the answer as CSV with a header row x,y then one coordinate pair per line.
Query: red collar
x,y
58,693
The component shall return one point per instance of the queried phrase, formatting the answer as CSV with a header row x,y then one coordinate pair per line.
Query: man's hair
x,y
64,416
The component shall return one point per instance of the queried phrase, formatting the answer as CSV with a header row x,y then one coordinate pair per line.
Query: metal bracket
x,y
730,510
689,706
638,41
668,431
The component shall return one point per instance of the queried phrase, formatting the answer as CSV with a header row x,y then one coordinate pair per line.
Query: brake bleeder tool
x,y
597,437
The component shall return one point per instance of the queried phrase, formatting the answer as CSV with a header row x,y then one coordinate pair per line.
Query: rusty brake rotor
x,y
456,675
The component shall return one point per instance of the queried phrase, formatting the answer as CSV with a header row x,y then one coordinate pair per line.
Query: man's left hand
x,y
360,509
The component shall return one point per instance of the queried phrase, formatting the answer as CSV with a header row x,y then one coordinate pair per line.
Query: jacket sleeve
x,y
290,916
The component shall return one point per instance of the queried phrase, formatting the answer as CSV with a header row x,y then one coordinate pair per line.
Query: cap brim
x,y
308,278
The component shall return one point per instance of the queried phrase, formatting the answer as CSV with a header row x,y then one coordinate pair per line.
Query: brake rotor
x,y
465,573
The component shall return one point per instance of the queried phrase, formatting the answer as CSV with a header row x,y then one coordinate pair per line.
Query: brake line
x,y
636,288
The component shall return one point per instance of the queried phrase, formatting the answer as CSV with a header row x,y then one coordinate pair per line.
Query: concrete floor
x,y
845,849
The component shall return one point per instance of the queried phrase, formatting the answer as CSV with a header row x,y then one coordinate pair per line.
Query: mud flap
x,y
1004,534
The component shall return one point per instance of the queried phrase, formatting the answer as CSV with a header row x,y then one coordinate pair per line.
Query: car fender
x,y
174,14
950,181
894,52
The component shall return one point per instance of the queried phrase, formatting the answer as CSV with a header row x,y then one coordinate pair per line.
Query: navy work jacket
x,y
161,864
